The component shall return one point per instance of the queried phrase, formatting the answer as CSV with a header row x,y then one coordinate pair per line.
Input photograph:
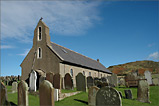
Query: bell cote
x,y
41,35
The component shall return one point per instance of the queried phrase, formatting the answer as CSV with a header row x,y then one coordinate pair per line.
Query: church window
x,y
39,55
39,33
89,73
71,71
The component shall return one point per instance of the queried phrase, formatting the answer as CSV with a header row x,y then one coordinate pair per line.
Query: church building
x,y
46,56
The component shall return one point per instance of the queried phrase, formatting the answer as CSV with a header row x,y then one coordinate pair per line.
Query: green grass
x,y
68,91
81,99
154,97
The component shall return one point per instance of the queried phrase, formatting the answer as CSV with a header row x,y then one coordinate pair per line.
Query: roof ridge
x,y
76,52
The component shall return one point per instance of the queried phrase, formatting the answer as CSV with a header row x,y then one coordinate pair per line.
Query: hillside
x,y
140,66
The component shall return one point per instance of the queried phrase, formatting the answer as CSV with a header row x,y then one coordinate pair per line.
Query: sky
x,y
115,32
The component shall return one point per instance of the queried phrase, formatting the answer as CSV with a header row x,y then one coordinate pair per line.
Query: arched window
x,y
39,55
71,71
89,73
83,72
39,33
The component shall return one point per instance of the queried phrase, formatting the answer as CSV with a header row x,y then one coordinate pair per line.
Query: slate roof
x,y
70,56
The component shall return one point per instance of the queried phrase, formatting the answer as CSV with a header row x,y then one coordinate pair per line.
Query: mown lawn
x,y
81,99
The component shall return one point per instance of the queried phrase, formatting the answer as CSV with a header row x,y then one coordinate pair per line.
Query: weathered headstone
x,y
19,78
14,87
57,81
22,94
108,96
56,97
92,95
32,81
41,79
81,82
128,94
46,94
89,81
121,82
109,79
105,79
148,77
3,95
68,81
143,91
155,81
114,80
50,77
95,80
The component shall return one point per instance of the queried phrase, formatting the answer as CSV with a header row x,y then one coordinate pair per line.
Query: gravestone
x,y
148,77
3,95
108,96
81,82
95,80
57,81
22,94
68,81
41,79
46,94
50,77
92,95
143,91
128,94
114,80
105,79
56,97
19,78
109,79
14,87
32,81
121,82
89,81
155,81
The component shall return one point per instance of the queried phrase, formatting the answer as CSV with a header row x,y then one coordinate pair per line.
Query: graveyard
x,y
83,96
94,92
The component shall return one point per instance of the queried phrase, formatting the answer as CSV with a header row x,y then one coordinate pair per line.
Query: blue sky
x,y
115,32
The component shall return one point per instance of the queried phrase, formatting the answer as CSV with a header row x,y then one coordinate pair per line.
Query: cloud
x,y
72,18
154,56
25,52
7,47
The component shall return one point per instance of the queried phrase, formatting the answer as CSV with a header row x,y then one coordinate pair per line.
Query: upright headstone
x,y
148,77
22,94
128,94
50,77
56,94
155,81
41,79
14,87
3,95
143,91
95,80
19,78
109,79
89,81
57,81
32,81
68,81
108,96
81,82
46,94
114,80
92,95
